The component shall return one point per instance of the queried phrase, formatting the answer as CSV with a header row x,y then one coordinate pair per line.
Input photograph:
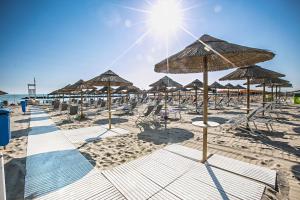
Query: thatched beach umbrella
x,y
248,73
195,85
216,86
2,93
79,86
131,89
109,79
64,90
163,84
211,54
229,87
268,82
238,88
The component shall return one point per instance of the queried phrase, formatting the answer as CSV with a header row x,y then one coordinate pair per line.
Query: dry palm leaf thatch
x,y
196,84
211,54
108,78
229,86
129,89
2,93
190,60
268,81
251,72
216,85
165,82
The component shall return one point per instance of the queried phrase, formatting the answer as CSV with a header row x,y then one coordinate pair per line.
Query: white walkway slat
x,y
235,185
157,172
164,195
55,169
255,172
95,186
187,152
191,189
173,161
131,183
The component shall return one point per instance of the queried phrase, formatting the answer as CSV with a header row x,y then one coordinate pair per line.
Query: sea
x,y
15,98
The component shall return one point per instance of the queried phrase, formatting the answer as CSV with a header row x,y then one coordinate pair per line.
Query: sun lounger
x,y
145,114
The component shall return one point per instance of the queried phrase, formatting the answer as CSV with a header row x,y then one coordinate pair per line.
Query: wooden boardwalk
x,y
55,169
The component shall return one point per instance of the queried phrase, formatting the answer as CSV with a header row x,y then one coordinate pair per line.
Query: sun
x,y
165,17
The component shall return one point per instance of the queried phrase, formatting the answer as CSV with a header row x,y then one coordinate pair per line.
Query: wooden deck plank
x,y
258,173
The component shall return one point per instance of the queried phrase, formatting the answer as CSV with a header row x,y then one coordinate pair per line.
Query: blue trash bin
x,y
5,126
23,105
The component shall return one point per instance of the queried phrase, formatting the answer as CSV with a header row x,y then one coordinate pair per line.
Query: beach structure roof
x,y
165,82
128,89
217,85
196,84
229,86
79,85
108,78
251,72
211,54
2,93
268,81
190,59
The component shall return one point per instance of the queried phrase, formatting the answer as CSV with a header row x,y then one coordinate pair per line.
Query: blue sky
x,y
61,41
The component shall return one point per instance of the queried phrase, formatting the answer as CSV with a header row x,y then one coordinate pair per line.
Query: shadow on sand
x,y
164,136
220,120
113,121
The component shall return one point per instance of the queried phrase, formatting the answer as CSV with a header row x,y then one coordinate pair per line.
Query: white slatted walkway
x,y
87,134
255,172
165,175
187,152
235,185
55,169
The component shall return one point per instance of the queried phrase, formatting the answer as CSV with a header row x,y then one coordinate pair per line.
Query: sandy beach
x,y
279,150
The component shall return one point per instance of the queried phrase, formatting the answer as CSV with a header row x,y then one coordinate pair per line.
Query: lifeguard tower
x,y
32,89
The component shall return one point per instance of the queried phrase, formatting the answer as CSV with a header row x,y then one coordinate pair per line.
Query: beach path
x,y
55,169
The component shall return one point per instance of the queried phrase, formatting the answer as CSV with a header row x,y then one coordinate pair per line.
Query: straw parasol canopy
x,y
216,85
229,87
2,93
271,82
195,85
109,79
211,54
129,89
248,73
79,86
164,84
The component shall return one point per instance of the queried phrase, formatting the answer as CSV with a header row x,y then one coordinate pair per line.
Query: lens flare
x,y
165,17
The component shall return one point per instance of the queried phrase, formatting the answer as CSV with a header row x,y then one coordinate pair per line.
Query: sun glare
x,y
165,17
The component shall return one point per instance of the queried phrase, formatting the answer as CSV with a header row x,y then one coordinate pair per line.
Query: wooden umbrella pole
x,y
179,98
165,117
205,107
264,97
81,103
196,98
248,95
276,92
228,97
63,97
272,95
215,98
109,106
238,96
